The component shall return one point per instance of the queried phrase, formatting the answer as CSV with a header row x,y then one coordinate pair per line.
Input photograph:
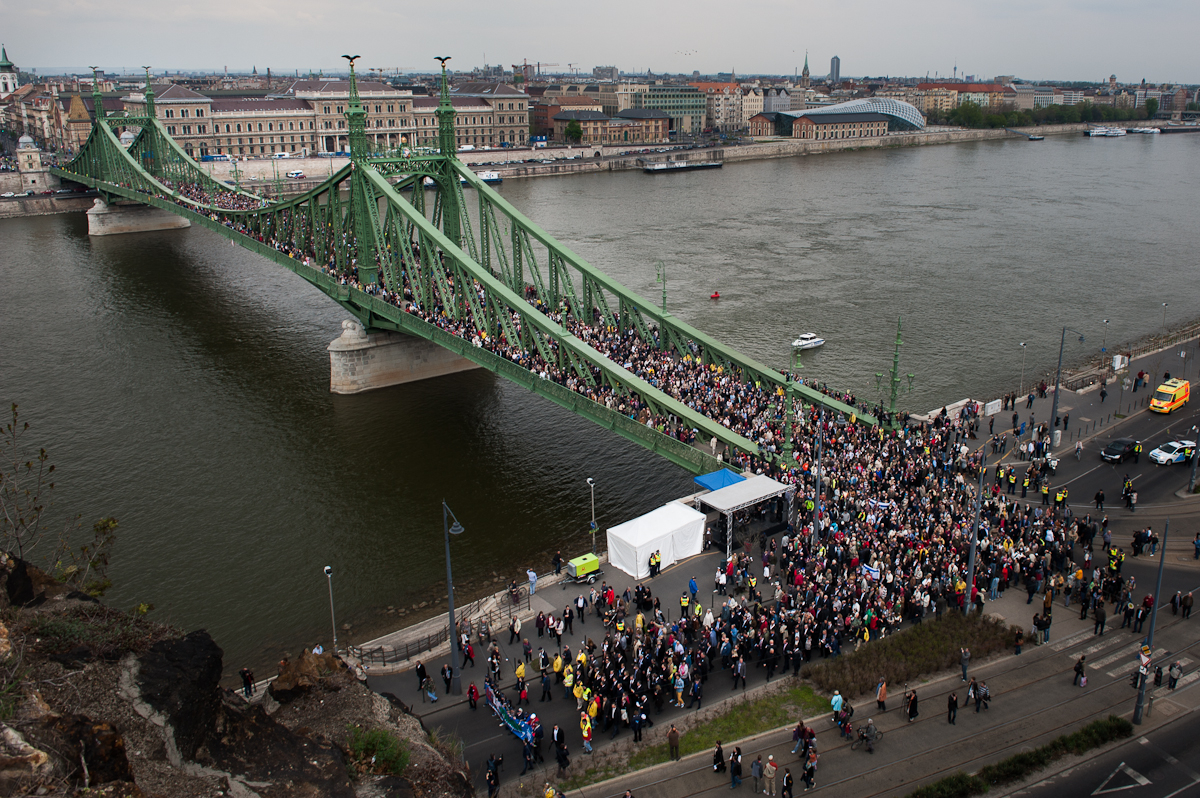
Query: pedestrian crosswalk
x,y
1132,663
1184,681
1072,640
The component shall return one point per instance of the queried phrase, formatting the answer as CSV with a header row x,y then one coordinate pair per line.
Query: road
x,y
1164,763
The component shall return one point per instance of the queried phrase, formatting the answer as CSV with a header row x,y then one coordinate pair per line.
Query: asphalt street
x,y
1164,763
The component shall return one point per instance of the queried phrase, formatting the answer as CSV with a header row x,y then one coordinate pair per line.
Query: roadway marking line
x,y
1158,652
1109,660
1067,642
1103,644
1184,681
1138,778
1181,789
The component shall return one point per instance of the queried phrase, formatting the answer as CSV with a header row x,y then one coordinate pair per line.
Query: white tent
x,y
675,530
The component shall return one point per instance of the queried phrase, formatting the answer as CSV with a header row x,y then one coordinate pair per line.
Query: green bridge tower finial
x,y
356,116
445,114
97,99
149,95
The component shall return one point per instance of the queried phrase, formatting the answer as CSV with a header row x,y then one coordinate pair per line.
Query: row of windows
x,y
183,112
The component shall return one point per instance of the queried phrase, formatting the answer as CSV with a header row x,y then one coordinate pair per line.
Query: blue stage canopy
x,y
718,479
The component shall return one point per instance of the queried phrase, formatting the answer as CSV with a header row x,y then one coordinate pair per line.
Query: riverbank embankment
x,y
44,205
775,148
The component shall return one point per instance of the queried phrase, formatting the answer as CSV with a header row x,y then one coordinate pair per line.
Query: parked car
x,y
1173,452
8,194
1119,450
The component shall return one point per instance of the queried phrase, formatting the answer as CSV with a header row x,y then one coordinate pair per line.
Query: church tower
x,y
805,82
8,74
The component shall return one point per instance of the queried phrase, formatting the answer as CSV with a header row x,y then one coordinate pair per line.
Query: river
x,y
181,383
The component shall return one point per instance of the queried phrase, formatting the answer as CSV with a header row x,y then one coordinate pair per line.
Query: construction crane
x,y
528,71
574,69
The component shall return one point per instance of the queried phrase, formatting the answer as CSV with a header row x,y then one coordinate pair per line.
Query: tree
x,y
25,501
24,490
968,114
574,131
1151,107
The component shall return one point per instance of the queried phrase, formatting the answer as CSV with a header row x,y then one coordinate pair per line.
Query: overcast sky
x,y
1043,40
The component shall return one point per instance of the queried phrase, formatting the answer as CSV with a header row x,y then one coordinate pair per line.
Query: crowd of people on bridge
x,y
880,534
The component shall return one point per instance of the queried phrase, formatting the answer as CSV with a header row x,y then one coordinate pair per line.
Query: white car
x,y
1173,452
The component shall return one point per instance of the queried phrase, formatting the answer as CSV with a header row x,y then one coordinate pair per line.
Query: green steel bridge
x,y
394,242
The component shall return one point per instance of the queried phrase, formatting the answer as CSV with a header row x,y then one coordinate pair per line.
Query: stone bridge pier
x,y
133,217
362,361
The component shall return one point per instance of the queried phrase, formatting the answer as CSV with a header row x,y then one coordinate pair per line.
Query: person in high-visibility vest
x,y
683,604
1025,487
1045,494
585,726
568,681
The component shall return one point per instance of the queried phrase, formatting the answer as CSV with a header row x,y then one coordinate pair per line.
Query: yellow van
x,y
1171,395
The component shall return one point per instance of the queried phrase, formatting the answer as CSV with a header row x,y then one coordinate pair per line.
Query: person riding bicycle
x,y
1078,449
868,735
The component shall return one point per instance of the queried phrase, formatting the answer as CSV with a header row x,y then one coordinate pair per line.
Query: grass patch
x,y
1023,765
743,719
377,751
592,775
904,657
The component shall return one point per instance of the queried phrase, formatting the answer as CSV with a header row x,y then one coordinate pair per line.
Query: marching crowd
x,y
884,538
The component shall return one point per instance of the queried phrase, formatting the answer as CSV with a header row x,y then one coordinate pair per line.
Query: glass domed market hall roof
x,y
901,115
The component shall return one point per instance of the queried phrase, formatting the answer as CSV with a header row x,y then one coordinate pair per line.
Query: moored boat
x,y
808,341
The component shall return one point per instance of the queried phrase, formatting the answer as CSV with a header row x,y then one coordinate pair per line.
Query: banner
x,y
869,572
992,407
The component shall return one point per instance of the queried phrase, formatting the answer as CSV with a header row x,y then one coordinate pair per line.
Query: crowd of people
x,y
879,534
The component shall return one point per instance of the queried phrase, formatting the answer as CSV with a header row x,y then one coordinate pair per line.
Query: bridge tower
x,y
448,143
363,205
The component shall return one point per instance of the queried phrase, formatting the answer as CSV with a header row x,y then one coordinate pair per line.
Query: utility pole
x,y
1195,452
1055,433
1141,696
975,528
789,410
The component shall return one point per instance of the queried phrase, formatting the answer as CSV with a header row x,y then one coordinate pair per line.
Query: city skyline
x,y
1062,41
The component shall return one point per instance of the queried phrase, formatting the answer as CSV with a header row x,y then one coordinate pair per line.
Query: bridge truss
x,y
395,242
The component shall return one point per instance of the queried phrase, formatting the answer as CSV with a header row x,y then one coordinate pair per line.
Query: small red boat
x,y
715,295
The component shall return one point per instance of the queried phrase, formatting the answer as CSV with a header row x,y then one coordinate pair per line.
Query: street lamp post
x,y
1195,453
1104,344
1164,323
1055,434
1141,696
1021,387
332,616
592,484
975,529
455,670
789,410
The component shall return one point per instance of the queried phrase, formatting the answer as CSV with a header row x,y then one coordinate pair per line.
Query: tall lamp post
x,y
332,617
1164,324
1055,433
789,409
1141,696
1195,453
455,670
1021,387
975,530
592,484
1104,343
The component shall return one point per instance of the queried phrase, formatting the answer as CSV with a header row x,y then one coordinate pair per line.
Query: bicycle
x,y
863,737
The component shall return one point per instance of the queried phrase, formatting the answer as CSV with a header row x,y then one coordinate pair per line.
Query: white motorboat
x,y
1095,132
1115,132
808,341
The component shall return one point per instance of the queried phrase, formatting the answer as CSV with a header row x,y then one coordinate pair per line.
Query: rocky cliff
x,y
97,702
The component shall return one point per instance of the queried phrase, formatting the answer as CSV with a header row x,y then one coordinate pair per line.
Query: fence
x,y
1105,371
392,655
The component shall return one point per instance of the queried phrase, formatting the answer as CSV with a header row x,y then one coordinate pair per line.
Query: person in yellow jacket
x,y
520,673
585,727
558,667
568,681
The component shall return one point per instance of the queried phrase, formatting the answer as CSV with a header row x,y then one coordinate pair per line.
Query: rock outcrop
x,y
130,708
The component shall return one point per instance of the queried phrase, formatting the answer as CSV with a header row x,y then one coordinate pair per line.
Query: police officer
x,y
684,600
1046,494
